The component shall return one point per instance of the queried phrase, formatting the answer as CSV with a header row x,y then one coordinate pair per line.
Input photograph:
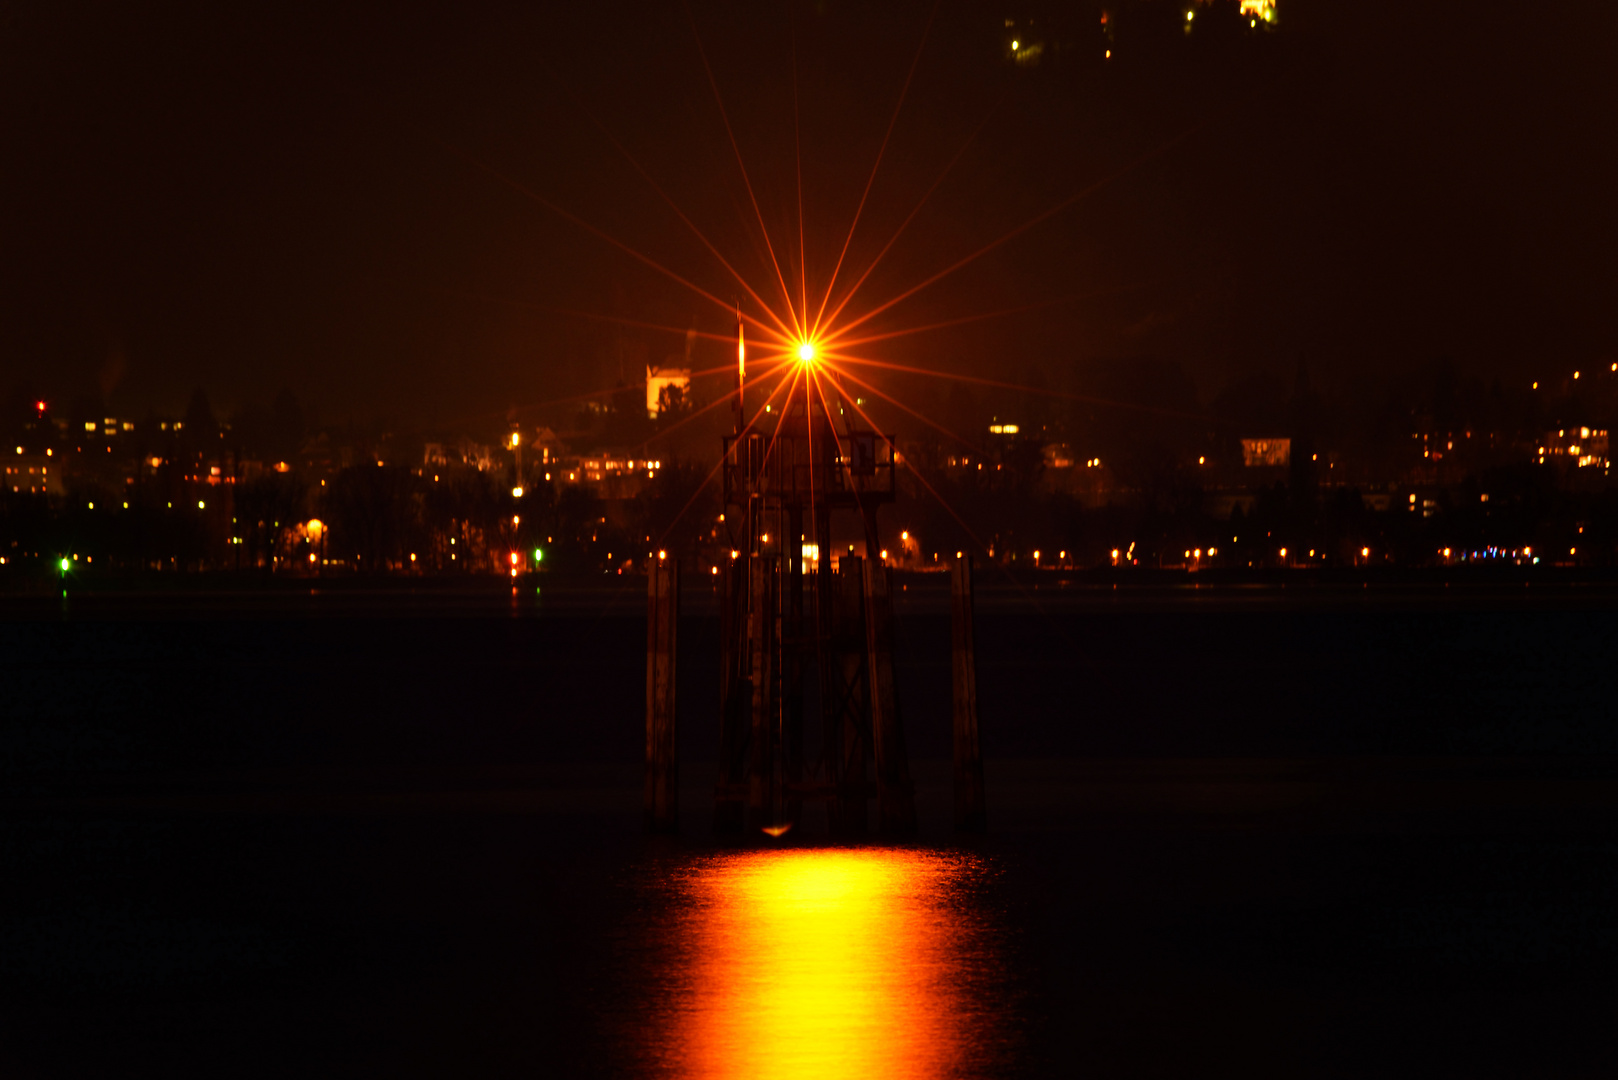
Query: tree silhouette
x,y
373,511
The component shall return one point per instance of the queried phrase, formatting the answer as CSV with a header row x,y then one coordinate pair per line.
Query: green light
x,y
539,554
64,566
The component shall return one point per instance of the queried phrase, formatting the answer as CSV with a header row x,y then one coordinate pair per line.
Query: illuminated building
x,y
674,376
1261,453
463,451
1580,447
34,474
659,378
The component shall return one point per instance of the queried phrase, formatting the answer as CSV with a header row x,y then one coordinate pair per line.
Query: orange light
x,y
806,352
662,555
822,962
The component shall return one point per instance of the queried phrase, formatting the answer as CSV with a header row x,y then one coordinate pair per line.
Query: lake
x,y
1330,831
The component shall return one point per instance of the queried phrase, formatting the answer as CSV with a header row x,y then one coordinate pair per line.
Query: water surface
x,y
819,962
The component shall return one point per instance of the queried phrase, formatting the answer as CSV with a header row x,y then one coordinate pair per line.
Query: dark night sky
x,y
249,196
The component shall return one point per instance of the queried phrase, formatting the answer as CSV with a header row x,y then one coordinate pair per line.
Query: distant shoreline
x,y
999,591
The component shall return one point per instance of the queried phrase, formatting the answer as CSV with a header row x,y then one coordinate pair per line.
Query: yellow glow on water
x,y
822,963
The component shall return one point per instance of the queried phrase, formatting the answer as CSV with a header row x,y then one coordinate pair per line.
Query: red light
x,y
39,406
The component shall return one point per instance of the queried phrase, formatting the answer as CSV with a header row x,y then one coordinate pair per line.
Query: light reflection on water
x,y
836,962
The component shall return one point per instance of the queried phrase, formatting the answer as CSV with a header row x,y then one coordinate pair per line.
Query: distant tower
x,y
787,617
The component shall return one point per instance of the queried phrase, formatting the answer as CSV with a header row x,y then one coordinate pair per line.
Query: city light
x,y
812,347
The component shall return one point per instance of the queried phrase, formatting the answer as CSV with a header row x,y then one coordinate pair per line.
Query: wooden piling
x,y
662,795
845,699
795,633
762,791
896,800
970,812
735,700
